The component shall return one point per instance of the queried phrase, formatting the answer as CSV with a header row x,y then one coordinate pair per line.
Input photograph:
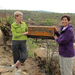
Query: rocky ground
x,y
30,66
6,60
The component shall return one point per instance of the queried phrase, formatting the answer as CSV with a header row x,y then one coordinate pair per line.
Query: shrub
x,y
0,20
31,46
48,22
37,20
53,44
9,19
3,27
26,18
30,54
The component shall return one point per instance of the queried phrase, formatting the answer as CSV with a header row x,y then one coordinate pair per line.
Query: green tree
x,y
26,18
9,19
48,22
37,20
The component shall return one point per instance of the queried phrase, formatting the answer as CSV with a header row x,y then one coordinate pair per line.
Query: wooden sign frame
x,y
41,32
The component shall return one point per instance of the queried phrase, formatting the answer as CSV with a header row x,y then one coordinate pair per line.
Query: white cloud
x,y
63,6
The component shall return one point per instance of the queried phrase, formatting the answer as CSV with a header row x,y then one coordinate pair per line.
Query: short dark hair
x,y
67,16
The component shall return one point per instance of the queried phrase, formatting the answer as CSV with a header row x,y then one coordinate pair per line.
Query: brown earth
x,y
30,67
6,60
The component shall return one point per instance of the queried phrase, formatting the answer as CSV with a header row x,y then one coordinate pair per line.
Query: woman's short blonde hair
x,y
17,13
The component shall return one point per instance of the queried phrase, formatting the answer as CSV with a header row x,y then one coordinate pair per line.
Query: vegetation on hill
x,y
33,18
38,17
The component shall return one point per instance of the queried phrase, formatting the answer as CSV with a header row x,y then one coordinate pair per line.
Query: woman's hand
x,y
25,33
55,37
54,28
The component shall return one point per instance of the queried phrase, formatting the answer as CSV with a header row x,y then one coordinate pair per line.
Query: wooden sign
x,y
41,31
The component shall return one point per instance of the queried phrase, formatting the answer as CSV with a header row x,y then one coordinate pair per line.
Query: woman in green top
x,y
19,30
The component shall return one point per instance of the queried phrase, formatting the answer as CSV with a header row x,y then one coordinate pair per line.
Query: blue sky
x,y
59,6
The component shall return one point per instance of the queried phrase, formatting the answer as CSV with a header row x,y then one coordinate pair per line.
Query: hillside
x,y
32,66
39,17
